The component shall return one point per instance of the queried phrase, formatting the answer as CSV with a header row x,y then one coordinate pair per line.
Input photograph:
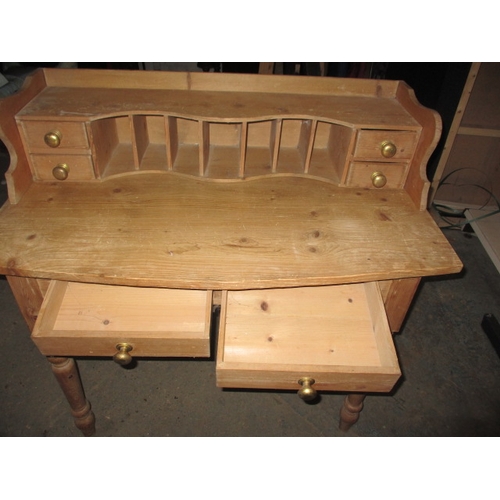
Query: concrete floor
x,y
450,384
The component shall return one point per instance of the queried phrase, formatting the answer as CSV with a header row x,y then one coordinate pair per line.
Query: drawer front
x,y
48,136
79,319
376,175
74,167
385,144
337,335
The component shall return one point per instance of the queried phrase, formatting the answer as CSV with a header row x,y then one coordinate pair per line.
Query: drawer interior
x,y
337,335
80,319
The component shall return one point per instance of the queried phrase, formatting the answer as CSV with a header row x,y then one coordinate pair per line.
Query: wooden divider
x,y
220,149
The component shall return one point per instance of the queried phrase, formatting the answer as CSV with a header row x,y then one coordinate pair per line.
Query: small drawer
x,y
385,144
68,167
376,175
45,136
80,319
336,335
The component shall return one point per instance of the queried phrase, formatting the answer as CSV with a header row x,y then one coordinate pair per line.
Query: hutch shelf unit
x,y
140,202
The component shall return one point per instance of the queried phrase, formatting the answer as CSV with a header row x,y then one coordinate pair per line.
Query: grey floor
x,y
450,384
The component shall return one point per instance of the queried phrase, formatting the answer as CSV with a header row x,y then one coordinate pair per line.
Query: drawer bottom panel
x,y
79,319
337,335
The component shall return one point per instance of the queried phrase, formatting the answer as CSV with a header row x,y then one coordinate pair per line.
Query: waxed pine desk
x,y
141,204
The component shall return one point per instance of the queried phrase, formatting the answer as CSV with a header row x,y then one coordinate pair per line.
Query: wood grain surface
x,y
169,230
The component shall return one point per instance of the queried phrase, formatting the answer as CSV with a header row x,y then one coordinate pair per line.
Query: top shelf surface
x,y
76,103
172,231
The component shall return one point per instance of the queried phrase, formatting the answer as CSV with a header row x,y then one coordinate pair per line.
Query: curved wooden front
x,y
177,231
216,126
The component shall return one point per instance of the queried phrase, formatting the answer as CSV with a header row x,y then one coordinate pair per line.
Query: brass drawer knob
x,y
379,179
61,171
122,357
388,149
53,138
307,392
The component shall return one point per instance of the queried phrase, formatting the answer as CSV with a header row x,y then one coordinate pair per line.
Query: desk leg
x,y
67,375
349,413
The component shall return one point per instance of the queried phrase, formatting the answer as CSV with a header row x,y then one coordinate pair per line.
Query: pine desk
x,y
142,203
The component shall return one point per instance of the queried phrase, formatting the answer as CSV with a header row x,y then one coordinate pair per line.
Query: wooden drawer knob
x,y
122,357
307,392
61,171
379,179
53,138
388,149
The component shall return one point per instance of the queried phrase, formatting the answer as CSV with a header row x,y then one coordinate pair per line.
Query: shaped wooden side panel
x,y
19,176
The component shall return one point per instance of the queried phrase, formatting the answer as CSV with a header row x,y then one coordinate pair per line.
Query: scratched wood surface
x,y
169,230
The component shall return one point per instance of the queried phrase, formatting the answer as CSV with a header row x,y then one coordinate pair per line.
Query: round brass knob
x,y
122,357
53,138
388,149
61,171
307,392
379,179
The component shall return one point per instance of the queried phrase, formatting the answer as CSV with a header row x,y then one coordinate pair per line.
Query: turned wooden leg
x,y
67,375
349,413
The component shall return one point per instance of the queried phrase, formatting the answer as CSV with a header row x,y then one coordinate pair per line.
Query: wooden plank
x,y
276,129
482,132
243,148
168,230
306,142
204,146
172,141
455,126
139,138
178,80
380,326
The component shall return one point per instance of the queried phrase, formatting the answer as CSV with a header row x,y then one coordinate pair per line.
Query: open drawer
x,y
80,319
336,335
